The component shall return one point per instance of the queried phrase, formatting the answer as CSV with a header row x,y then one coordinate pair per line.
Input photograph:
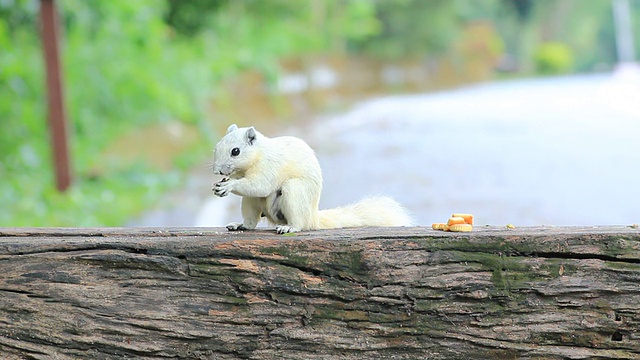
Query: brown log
x,y
410,293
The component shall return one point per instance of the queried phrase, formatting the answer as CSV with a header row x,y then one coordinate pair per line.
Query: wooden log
x,y
541,292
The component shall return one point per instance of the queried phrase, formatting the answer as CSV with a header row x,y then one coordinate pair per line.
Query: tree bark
x,y
376,293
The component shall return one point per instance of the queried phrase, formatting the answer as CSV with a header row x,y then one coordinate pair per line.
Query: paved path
x,y
560,151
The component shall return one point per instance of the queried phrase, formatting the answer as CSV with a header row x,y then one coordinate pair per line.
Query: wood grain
x,y
377,293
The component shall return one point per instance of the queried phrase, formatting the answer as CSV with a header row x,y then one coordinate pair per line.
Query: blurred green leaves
x,y
553,58
425,27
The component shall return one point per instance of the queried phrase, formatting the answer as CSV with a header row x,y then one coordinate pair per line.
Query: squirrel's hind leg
x,y
251,211
299,206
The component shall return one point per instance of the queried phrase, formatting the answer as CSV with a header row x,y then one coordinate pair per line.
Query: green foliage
x,y
590,34
411,28
523,8
553,58
256,34
190,17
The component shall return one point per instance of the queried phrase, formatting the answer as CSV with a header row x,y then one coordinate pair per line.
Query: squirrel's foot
x,y
284,229
235,227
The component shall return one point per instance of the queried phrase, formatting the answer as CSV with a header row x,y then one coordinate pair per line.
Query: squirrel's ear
x,y
251,135
232,127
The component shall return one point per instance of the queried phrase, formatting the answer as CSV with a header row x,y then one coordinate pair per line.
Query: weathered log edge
x,y
374,285
580,242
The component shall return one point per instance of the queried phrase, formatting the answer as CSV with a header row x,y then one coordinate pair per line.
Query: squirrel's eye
x,y
235,152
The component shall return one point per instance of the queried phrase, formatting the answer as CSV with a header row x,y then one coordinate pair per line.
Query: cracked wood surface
x,y
539,292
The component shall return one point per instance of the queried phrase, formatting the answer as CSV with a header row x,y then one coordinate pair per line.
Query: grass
x,y
107,200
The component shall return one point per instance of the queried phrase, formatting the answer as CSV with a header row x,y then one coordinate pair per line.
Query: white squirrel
x,y
280,179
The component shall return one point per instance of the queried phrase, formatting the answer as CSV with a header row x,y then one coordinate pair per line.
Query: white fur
x,y
281,179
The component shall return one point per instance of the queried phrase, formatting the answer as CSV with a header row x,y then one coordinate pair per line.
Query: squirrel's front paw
x,y
222,187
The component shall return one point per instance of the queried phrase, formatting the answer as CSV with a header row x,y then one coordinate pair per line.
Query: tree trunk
x,y
409,293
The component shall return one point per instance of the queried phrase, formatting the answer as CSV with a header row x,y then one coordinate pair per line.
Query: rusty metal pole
x,y
56,112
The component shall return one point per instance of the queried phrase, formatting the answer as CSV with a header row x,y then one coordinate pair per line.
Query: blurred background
x,y
520,111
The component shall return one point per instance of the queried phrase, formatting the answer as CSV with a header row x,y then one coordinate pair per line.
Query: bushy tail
x,y
370,211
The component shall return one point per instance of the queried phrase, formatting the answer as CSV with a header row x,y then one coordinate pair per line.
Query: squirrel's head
x,y
236,151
